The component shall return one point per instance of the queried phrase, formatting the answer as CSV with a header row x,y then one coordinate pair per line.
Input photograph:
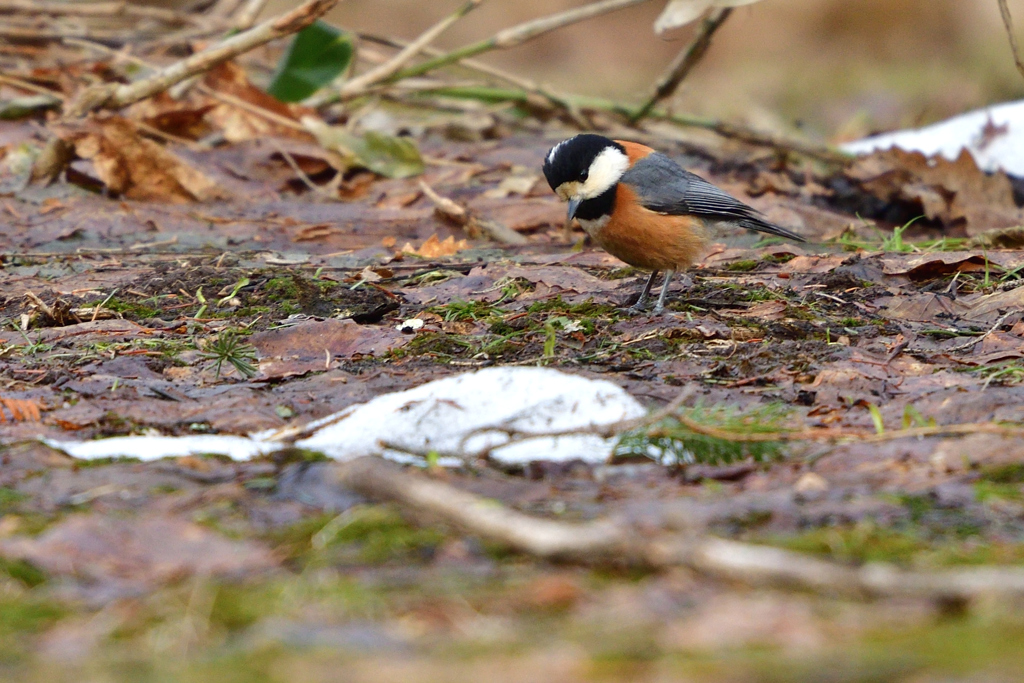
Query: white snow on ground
x,y
993,135
156,447
456,416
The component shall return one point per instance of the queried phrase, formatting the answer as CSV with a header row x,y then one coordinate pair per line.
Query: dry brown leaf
x,y
948,191
315,232
21,409
135,167
240,124
433,247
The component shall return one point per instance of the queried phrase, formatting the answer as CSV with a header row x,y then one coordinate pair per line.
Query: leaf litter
x,y
146,257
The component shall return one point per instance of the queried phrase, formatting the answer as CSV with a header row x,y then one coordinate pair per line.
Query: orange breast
x,y
646,239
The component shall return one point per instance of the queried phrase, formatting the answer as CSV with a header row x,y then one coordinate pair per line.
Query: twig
x,y
226,98
555,99
247,15
597,542
359,84
615,542
290,160
1004,10
114,96
99,9
821,435
460,215
31,87
517,35
684,63
977,340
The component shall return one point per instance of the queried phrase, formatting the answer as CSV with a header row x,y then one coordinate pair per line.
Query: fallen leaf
x,y
948,191
434,248
315,232
386,155
681,12
312,345
134,167
238,123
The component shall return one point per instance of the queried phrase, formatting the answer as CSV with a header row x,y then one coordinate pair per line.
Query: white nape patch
x,y
554,151
594,227
605,170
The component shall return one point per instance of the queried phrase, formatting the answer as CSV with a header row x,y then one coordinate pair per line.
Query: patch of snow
x,y
156,447
456,416
994,136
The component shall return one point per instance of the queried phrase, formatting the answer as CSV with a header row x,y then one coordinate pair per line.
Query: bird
x,y
644,208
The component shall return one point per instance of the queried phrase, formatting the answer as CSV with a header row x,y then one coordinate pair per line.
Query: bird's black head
x,y
570,160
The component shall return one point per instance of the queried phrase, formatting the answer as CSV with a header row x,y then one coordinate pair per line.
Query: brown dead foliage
x,y
135,167
952,192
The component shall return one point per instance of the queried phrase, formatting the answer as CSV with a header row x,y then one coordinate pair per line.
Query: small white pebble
x,y
409,326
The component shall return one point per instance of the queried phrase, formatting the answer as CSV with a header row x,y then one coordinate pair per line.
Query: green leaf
x,y
386,155
316,56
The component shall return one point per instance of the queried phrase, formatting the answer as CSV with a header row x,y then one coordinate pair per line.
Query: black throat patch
x,y
601,205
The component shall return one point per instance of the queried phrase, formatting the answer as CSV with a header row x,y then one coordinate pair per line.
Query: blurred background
x,y
837,69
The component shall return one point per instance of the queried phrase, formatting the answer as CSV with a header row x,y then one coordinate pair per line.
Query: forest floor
x,y
149,309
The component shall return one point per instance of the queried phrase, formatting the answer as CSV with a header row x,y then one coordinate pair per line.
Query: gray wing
x,y
664,186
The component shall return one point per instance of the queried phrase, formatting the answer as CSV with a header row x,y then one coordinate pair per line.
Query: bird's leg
x,y
639,305
660,307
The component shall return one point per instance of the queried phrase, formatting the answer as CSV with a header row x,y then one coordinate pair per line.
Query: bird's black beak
x,y
573,205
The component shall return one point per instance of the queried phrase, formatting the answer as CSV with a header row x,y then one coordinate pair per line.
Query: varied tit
x,y
642,207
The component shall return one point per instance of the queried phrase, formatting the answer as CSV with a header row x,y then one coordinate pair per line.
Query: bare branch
x,y
99,9
1004,10
359,84
610,541
680,68
114,96
517,35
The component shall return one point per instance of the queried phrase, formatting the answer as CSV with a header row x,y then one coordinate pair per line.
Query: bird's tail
x,y
754,223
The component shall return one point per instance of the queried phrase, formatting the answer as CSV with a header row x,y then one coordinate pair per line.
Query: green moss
x,y
1012,473
438,343
362,535
282,288
9,499
26,614
23,572
744,266
587,308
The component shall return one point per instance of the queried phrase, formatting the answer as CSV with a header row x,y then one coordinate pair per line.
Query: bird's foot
x,y
637,309
658,310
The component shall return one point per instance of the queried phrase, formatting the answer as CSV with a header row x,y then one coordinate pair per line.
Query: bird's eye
x,y
583,176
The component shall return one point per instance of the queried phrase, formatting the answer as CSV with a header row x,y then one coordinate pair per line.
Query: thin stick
x,y
385,71
31,87
1004,10
114,96
680,68
517,35
290,160
248,14
615,542
98,9
206,90
557,100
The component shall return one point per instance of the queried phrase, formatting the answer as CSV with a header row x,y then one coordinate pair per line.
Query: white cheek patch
x,y
605,171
